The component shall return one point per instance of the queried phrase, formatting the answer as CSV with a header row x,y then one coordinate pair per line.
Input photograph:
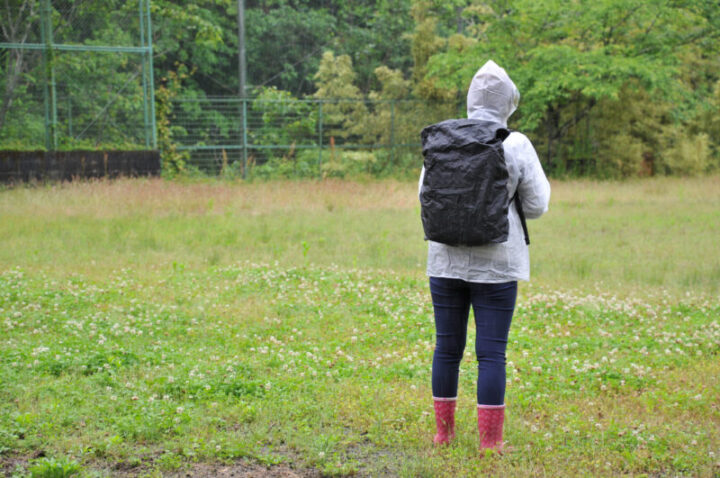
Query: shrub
x,y
690,155
621,157
349,163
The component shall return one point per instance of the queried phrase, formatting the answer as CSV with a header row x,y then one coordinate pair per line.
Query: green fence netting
x,y
305,137
76,74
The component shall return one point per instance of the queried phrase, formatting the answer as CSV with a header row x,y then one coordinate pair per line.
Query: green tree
x,y
382,126
335,80
15,28
566,57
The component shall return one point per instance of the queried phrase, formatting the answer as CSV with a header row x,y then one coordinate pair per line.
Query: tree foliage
x,y
335,80
570,58
612,88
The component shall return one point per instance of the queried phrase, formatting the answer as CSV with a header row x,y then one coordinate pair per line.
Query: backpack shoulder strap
x,y
502,133
518,206
518,202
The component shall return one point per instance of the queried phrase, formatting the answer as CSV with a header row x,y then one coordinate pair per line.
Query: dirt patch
x,y
10,463
198,470
241,469
202,470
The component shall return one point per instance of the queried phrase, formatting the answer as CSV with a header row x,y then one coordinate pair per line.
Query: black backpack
x,y
464,198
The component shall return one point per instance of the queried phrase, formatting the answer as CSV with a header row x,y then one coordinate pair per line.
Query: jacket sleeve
x,y
420,182
533,186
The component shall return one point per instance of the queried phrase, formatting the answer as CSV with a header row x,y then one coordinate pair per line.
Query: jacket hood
x,y
492,95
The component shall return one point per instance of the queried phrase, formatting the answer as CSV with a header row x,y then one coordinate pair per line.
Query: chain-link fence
x,y
303,138
76,74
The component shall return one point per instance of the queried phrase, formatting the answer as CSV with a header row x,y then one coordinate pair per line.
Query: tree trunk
x,y
552,125
14,71
14,31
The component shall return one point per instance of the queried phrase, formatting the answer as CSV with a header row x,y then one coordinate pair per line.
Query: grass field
x,y
154,328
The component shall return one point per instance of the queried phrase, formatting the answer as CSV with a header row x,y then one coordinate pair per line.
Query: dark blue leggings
x,y
493,306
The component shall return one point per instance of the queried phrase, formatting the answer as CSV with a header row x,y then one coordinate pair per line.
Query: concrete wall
x,y
24,166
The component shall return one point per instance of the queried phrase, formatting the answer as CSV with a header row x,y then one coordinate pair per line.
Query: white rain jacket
x,y
494,97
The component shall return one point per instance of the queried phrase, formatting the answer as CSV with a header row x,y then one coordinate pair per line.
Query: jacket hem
x,y
481,280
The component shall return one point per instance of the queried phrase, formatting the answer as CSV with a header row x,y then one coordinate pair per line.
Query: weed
x,y
54,468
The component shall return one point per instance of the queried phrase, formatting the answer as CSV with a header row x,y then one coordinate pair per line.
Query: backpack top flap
x,y
458,134
464,198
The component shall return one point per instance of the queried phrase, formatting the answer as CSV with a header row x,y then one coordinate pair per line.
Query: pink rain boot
x,y
490,426
444,420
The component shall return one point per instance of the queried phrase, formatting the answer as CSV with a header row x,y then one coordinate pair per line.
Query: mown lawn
x,y
148,326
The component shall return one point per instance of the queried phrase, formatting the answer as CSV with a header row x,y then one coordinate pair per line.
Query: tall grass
x,y
661,233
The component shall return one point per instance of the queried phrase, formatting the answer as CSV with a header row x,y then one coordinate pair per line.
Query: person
x,y
484,277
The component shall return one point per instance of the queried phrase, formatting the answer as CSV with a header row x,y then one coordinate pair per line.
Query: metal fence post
x,y
70,118
320,136
49,90
146,113
392,131
46,92
244,136
151,73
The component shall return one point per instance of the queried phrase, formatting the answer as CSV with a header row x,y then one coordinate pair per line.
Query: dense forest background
x,y
609,88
